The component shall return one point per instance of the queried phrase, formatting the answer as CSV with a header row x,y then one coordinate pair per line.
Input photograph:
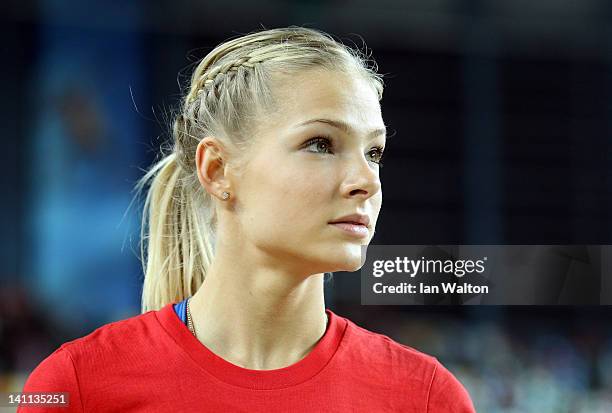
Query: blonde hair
x,y
229,87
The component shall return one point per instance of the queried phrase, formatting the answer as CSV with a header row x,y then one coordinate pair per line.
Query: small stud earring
x,y
225,195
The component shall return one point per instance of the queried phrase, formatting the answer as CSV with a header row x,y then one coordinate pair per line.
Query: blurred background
x,y
501,113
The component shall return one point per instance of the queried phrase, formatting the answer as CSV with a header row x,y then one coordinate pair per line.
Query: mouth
x,y
354,219
352,228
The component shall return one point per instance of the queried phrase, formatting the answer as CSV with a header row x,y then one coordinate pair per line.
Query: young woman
x,y
272,181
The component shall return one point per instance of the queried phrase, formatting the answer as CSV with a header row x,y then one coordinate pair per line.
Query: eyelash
x,y
327,140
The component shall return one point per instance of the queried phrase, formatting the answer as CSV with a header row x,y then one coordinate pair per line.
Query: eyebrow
x,y
345,127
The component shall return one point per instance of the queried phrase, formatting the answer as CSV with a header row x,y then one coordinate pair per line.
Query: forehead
x,y
325,94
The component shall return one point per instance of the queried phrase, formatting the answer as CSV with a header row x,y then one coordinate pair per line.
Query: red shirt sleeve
x,y
447,394
56,373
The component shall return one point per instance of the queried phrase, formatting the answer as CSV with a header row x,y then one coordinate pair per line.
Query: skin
x,y
261,306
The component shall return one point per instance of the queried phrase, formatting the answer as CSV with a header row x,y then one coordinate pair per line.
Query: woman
x,y
272,181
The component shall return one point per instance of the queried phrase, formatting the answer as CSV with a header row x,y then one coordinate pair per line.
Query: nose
x,y
361,179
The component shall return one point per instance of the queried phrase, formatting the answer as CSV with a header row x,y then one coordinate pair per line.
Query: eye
x,y
324,144
378,153
319,142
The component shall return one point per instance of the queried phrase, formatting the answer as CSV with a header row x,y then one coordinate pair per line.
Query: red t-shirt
x,y
152,363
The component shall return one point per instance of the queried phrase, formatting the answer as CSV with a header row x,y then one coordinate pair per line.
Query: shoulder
x,y
413,371
112,341
447,394
114,336
381,346
95,357
56,373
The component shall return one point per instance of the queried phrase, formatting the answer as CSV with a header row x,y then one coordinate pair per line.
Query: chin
x,y
346,259
354,267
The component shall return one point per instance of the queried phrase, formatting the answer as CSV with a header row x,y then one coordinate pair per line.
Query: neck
x,y
256,317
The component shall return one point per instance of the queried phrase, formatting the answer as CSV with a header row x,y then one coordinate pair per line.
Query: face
x,y
302,173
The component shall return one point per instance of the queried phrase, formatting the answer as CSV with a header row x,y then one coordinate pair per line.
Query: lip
x,y
359,219
357,230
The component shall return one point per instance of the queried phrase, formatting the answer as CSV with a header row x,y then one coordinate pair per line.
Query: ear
x,y
210,166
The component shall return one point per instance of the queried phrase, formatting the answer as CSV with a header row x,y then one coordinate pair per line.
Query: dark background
x,y
501,116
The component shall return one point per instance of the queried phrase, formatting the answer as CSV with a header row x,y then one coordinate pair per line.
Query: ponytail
x,y
179,245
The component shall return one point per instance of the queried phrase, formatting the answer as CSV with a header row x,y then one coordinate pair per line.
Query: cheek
x,y
377,202
283,197
376,205
302,199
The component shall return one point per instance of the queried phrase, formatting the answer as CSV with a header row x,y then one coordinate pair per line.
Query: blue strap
x,y
180,309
